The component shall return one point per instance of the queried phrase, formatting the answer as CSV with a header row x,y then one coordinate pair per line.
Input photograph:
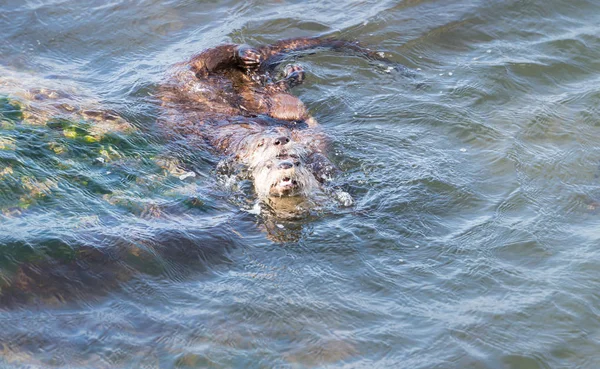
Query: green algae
x,y
10,111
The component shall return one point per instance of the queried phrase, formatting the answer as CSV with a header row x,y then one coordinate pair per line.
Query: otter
x,y
232,99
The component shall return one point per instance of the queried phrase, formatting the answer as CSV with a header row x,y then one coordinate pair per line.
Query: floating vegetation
x,y
10,111
58,152
62,151
6,171
7,143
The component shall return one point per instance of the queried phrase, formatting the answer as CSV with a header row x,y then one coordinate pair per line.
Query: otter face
x,y
262,146
286,175
277,164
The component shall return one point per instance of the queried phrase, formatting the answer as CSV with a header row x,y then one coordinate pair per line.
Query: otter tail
x,y
275,52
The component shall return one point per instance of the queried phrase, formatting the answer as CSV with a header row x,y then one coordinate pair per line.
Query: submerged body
x,y
231,99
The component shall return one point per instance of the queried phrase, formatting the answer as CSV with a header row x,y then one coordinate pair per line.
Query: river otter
x,y
231,98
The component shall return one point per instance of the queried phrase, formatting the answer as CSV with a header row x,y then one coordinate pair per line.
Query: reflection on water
x,y
472,242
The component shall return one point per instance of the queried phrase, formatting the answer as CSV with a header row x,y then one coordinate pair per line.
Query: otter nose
x,y
282,140
285,165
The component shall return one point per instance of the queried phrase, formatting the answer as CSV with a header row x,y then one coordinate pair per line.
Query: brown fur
x,y
230,98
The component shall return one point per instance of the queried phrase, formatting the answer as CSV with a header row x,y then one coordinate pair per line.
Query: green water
x,y
472,243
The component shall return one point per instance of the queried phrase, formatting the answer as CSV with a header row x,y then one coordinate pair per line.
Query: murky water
x,y
473,242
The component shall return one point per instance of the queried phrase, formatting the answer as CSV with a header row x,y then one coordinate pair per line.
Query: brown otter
x,y
231,98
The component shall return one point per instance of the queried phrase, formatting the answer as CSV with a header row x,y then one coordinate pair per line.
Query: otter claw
x,y
248,57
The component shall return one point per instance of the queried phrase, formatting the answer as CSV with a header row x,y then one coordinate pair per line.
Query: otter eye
x,y
297,163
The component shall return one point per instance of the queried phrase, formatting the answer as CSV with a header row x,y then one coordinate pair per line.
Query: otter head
x,y
263,144
285,175
277,163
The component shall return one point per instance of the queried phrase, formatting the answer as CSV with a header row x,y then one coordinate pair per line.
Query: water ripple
x,y
472,244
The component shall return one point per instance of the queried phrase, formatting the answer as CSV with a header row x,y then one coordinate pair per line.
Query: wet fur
x,y
232,99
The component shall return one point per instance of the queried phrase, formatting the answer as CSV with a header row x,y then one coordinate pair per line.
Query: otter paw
x,y
344,198
248,57
294,74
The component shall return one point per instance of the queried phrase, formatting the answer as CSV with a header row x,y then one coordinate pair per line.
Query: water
x,y
473,241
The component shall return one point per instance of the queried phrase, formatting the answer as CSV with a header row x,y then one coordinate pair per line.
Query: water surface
x,y
473,241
